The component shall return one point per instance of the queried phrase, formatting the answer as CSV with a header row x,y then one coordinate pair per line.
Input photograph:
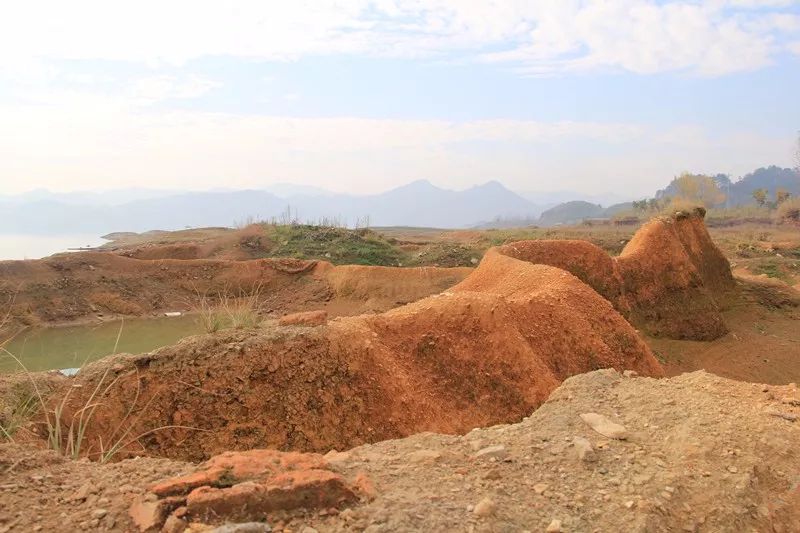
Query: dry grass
x,y
66,435
788,211
240,310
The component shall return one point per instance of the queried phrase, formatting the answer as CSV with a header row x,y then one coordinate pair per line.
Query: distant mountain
x,y
770,178
552,198
419,203
571,213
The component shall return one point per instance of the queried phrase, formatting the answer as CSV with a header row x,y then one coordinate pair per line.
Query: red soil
x,y
667,280
83,286
490,350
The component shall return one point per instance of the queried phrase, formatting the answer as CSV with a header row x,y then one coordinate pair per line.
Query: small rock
x,y
554,527
485,507
604,426
424,456
83,492
732,469
584,449
630,373
174,525
498,452
336,458
99,513
539,488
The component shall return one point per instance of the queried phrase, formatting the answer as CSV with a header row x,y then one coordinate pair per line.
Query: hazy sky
x,y
362,95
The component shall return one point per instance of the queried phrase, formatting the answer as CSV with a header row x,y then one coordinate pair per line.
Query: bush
x,y
789,211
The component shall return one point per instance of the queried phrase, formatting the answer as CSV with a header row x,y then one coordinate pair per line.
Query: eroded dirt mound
x,y
668,280
675,278
590,263
88,285
489,350
701,453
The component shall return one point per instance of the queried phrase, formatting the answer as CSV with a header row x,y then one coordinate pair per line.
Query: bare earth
x,y
711,448
702,454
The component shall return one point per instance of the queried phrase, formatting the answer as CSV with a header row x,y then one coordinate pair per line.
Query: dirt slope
x,y
676,278
669,280
489,350
702,454
81,286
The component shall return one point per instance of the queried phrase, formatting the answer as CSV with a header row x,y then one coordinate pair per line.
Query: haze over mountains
x,y
419,203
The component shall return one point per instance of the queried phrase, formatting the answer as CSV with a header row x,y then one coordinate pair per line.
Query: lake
x,y
14,246
74,346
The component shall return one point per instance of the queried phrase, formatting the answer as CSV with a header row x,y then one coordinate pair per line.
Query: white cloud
x,y
711,37
158,88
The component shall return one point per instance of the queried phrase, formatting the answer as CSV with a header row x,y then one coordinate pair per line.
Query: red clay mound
x,y
488,351
588,262
665,281
673,276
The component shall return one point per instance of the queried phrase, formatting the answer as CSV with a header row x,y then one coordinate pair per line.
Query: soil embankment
x,y
89,286
489,350
670,279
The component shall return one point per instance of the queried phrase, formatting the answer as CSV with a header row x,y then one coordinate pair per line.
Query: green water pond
x,y
73,346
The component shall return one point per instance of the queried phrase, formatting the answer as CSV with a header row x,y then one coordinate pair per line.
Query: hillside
x,y
741,192
571,213
419,203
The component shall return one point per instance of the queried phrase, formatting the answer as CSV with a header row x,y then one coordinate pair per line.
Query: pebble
x,y
539,488
485,507
554,527
584,450
424,456
604,426
498,452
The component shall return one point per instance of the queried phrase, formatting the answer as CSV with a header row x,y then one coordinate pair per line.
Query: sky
x,y
360,96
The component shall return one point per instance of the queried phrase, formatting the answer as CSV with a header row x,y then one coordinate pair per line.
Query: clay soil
x,y
763,342
702,454
445,350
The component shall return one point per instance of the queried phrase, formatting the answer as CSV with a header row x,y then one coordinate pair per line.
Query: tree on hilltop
x,y
699,188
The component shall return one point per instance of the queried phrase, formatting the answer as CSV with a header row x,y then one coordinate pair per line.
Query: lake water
x,y
13,246
74,346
